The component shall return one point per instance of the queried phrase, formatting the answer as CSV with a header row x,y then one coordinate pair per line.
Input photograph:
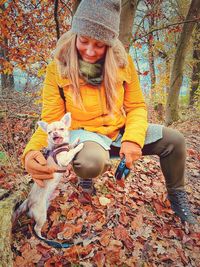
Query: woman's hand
x,y
131,151
36,166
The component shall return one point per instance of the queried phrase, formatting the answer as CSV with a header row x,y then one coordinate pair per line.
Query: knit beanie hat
x,y
98,19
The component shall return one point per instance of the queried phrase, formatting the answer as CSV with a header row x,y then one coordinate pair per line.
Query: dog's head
x,y
58,131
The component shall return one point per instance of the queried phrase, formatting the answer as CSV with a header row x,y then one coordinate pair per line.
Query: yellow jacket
x,y
95,118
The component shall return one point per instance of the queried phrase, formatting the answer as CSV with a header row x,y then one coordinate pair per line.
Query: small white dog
x,y
61,153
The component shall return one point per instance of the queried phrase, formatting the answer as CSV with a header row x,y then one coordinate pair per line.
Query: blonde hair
x,y
66,57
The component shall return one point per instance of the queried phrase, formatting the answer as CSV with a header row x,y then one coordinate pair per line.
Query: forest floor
x,y
128,224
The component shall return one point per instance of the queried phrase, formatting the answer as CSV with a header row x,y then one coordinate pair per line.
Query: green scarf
x,y
91,73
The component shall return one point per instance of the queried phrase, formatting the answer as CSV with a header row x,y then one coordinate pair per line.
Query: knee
x,y
175,140
91,161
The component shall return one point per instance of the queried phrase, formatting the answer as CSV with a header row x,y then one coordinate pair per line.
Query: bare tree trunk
x,y
151,56
76,4
150,42
177,69
126,22
167,64
151,67
7,80
7,83
196,67
56,19
165,57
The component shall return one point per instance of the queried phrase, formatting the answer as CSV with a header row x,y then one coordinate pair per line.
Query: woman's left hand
x,y
131,151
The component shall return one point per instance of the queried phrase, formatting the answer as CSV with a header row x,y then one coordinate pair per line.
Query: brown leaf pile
x,y
136,227
126,224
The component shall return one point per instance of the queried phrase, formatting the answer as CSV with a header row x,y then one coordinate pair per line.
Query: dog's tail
x,y
20,210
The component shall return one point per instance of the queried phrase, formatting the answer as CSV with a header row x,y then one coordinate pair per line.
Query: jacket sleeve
x,y
135,108
52,109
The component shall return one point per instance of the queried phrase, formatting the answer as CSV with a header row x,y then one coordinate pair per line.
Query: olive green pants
x,y
93,159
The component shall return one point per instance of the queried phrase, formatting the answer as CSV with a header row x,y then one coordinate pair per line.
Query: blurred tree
x,y
177,69
196,66
127,18
7,79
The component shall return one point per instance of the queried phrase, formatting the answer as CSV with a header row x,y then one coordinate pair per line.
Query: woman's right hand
x,y
36,166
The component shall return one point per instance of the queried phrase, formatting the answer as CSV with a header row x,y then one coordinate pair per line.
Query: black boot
x,y
87,185
180,205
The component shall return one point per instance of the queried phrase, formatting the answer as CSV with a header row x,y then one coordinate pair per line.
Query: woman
x,y
108,111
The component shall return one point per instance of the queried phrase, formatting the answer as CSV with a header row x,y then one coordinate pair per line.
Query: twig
x,y
165,27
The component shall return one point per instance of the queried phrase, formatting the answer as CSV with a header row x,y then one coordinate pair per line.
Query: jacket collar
x,y
62,82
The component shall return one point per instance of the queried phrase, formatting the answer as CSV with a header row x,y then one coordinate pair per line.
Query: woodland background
x,y
137,228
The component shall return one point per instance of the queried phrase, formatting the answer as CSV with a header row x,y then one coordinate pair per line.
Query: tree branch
x,y
65,4
56,18
165,27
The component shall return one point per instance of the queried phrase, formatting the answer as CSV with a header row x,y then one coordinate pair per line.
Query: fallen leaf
x,y
158,207
104,201
43,249
182,255
147,231
74,213
99,259
137,222
161,249
72,253
122,234
55,216
69,230
94,216
105,237
113,253
121,183
123,218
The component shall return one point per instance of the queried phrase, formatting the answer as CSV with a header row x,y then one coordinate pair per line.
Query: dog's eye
x,y
61,129
49,132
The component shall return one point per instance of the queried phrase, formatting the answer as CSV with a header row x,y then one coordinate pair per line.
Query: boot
x,y
180,205
87,185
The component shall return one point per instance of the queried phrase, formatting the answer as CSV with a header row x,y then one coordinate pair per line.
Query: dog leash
x,y
56,244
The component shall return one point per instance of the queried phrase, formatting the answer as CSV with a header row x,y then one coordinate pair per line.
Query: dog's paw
x,y
75,143
80,146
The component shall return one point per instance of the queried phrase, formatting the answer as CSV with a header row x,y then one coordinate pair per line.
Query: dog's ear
x,y
43,125
66,119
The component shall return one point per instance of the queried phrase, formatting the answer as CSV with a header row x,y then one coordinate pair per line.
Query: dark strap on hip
x,y
62,95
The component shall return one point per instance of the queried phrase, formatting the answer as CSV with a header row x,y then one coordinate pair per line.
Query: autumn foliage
x,y
28,33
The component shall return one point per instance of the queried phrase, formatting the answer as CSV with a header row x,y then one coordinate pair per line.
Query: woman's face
x,y
89,49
